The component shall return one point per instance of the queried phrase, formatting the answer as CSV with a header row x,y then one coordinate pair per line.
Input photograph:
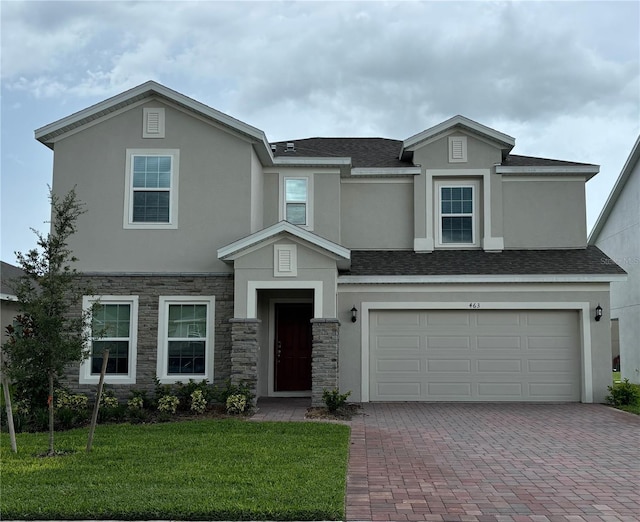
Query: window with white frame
x,y
296,195
456,213
152,188
114,325
185,337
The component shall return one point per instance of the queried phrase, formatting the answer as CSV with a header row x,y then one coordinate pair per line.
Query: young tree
x,y
47,336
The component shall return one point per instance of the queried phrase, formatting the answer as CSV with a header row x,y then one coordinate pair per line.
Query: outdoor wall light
x,y
598,312
354,314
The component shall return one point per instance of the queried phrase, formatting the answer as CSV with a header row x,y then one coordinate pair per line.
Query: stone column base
x,y
324,357
244,354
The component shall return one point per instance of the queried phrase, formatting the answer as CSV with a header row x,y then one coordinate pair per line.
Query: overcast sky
x,y
560,77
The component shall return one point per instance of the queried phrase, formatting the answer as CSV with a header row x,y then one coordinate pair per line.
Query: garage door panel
x,y
398,342
399,366
500,390
450,391
499,366
461,355
449,343
499,318
448,365
400,391
507,342
453,317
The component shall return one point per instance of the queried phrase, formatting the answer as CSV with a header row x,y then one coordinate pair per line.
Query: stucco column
x,y
244,354
324,357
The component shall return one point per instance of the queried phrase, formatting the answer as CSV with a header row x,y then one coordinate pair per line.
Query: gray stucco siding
x,y
377,215
214,187
562,223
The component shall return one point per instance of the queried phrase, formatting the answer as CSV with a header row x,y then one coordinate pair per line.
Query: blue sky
x,y
560,77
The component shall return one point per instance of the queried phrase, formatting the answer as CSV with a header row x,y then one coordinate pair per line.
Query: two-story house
x,y
438,268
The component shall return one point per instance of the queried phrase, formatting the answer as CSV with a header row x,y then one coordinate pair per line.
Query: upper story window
x,y
152,188
113,327
296,200
296,193
457,215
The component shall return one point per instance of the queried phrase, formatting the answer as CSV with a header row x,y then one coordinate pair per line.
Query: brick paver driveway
x,y
494,462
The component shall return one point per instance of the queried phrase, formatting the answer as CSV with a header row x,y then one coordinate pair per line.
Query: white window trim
x,y
85,367
163,338
475,186
128,222
283,200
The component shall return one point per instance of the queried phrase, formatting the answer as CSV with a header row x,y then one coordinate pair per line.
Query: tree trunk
x,y
50,401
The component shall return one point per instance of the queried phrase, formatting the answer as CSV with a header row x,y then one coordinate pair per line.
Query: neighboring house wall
x,y
9,307
8,311
619,237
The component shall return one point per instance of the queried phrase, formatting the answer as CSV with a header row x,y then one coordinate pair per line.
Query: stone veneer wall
x,y
244,354
149,288
324,358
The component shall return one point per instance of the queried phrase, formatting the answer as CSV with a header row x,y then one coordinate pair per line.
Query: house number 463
x,y
474,305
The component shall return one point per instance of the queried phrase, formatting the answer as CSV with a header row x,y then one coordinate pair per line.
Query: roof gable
x,y
52,132
283,228
504,141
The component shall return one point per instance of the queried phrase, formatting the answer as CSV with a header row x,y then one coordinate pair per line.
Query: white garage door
x,y
459,355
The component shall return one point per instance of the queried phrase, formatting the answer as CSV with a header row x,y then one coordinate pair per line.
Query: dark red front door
x,y
293,346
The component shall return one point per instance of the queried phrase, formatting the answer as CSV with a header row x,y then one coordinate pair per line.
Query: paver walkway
x,y
494,463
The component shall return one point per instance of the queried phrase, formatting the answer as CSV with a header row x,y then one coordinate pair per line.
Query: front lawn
x,y
211,469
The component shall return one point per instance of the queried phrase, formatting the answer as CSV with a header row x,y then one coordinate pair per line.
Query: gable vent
x,y
153,123
457,149
285,262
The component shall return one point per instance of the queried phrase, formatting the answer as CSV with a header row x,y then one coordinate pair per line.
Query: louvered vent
x,y
457,149
285,261
153,125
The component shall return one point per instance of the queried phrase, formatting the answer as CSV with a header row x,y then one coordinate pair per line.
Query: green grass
x,y
211,469
616,377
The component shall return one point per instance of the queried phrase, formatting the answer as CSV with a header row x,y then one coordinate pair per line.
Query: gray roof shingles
x,y
588,261
383,152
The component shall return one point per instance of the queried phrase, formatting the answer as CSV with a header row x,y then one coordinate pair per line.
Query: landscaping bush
x,y
334,400
623,394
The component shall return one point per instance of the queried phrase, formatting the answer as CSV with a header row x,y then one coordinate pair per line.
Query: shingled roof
x,y
588,261
384,152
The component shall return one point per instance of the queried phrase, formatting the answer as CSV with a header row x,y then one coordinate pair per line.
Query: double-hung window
x,y
296,200
296,193
185,348
114,328
152,185
457,216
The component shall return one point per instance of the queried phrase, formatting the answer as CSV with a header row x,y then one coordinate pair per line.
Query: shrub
x,y
222,394
236,403
334,400
168,404
623,394
77,402
198,402
135,403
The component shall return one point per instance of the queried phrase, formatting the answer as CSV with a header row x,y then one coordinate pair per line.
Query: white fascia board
x,y
394,171
588,170
462,121
8,297
226,253
149,88
464,279
311,161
